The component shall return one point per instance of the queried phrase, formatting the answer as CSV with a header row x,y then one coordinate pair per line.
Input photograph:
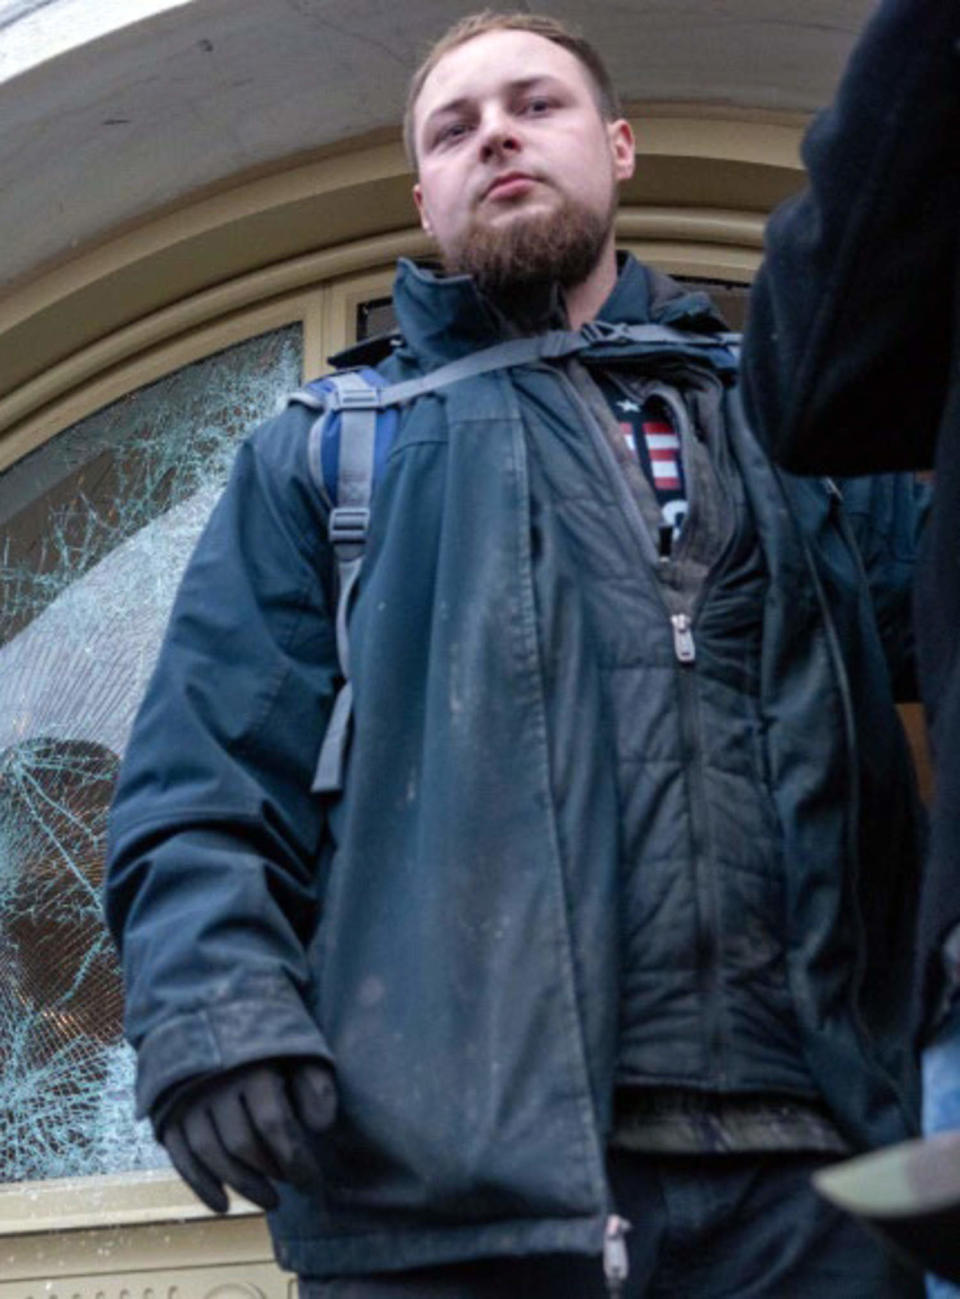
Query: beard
x,y
528,253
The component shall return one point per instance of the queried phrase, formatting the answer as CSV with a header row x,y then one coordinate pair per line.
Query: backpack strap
x,y
355,428
554,345
350,400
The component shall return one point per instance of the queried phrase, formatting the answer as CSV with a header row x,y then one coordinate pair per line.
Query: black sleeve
x,y
216,843
846,353
887,514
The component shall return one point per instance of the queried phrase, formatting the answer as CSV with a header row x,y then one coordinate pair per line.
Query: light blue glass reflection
x,y
95,529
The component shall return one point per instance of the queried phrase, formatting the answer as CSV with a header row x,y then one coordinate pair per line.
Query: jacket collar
x,y
643,296
443,317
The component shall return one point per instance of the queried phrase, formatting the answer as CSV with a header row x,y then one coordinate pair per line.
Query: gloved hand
x,y
247,1125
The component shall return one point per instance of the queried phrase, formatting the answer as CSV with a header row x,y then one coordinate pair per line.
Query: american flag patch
x,y
663,447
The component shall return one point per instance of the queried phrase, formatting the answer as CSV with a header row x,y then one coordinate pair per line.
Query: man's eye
x,y
537,106
452,131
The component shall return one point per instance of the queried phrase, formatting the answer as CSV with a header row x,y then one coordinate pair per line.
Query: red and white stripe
x,y
663,445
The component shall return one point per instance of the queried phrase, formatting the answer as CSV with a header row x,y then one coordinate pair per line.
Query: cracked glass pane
x,y
95,528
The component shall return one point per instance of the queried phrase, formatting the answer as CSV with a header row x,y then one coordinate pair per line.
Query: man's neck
x,y
584,300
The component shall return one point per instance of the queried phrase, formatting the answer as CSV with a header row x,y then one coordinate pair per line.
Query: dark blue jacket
x,y
465,971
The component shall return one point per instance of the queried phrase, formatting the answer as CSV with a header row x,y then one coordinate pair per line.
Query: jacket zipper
x,y
682,624
616,1263
708,904
684,646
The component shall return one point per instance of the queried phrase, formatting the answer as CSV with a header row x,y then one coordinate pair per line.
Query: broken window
x,y
95,528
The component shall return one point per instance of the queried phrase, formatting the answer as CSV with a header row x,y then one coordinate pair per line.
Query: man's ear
x,y
424,219
623,148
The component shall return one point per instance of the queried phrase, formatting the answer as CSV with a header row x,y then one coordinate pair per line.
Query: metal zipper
x,y
684,644
705,879
616,1262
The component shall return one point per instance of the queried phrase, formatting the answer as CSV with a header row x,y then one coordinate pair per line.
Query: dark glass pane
x,y
376,316
730,299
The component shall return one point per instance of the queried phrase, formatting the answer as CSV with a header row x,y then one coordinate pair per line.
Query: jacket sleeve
x,y
213,876
846,353
887,514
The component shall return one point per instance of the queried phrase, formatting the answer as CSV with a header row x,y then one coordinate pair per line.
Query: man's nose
x,y
498,135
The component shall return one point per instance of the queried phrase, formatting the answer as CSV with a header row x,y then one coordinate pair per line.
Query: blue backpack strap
x,y
349,389
347,447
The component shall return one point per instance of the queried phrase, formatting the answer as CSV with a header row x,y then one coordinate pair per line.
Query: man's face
x,y
515,158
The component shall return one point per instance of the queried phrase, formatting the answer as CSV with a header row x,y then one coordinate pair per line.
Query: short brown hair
x,y
465,29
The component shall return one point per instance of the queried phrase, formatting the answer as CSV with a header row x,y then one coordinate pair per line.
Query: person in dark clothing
x,y
610,918
850,366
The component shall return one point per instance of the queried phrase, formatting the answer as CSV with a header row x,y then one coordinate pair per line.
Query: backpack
x,y
358,417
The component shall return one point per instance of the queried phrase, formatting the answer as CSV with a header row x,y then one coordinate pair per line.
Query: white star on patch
x,y
627,405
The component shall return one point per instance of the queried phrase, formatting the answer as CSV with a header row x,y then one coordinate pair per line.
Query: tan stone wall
x,y
131,1237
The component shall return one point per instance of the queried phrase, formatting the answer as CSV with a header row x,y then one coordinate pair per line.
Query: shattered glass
x,y
95,528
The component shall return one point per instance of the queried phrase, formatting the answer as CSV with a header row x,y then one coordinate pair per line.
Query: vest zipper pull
x,y
616,1265
683,645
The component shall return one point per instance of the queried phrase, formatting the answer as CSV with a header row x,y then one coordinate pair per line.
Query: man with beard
x,y
607,923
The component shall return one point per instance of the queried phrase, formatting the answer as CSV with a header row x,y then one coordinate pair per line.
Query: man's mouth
x,y
512,184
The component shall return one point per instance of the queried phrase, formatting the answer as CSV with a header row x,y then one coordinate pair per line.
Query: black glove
x,y
253,1123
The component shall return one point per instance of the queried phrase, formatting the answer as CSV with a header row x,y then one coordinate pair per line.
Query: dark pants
x,y
717,1227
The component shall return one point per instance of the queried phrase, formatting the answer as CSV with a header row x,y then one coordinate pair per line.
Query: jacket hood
x,y
668,303
443,317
